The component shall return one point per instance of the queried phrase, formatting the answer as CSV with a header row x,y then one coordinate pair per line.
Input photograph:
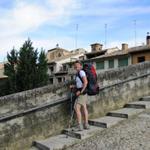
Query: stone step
x,y
146,98
33,148
125,112
57,142
138,104
105,122
82,134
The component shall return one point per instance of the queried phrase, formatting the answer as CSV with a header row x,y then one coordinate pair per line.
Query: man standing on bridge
x,y
81,97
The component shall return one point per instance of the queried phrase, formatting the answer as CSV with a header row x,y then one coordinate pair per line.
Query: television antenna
x,y
105,35
76,36
135,32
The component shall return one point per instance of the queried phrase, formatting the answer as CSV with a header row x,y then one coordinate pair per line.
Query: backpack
x,y
92,87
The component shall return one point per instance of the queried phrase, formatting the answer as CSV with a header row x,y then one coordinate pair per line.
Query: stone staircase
x,y
69,137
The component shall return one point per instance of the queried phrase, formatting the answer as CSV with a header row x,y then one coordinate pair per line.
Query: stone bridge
x,y
41,113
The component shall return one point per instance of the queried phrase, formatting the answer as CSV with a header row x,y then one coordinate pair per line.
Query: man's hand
x,y
78,93
72,86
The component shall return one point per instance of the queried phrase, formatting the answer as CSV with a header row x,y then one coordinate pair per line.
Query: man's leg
x,y
78,112
85,113
85,116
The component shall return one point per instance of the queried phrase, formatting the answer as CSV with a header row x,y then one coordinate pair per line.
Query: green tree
x,y
42,76
4,87
27,67
10,71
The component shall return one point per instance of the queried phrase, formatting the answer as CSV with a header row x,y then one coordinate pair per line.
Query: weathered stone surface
x,y
132,134
60,141
125,112
38,125
50,121
145,116
147,98
25,100
138,104
56,142
82,134
115,75
106,121
33,148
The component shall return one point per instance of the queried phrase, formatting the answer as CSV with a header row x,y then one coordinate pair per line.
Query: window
x,y
123,62
51,80
141,59
64,68
72,77
111,63
81,58
59,54
59,80
100,65
51,69
70,65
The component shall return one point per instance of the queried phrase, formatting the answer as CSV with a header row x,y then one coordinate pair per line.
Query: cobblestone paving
x,y
132,134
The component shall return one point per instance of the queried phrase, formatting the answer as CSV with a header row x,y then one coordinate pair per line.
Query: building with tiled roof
x,y
140,53
56,57
122,58
105,59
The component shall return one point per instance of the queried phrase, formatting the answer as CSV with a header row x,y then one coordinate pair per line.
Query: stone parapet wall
x,y
116,75
19,132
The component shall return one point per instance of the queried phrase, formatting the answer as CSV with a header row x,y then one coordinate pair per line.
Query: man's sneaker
x,y
78,128
86,126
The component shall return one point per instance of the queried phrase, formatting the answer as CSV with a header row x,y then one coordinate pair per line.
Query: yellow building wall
x,y
136,55
52,55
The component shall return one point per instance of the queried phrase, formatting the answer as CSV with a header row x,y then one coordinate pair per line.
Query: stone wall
x,y
116,75
18,132
29,99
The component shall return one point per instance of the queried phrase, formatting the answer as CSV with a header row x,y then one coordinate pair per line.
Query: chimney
x,y
148,39
96,47
57,45
125,47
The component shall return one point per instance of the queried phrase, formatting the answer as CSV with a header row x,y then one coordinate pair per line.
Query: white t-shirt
x,y
79,83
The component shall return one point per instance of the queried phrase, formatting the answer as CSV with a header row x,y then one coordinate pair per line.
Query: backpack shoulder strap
x,y
78,75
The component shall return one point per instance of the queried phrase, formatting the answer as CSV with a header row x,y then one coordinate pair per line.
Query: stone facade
x,y
96,47
56,53
56,70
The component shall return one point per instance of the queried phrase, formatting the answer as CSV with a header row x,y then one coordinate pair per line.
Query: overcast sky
x,y
48,22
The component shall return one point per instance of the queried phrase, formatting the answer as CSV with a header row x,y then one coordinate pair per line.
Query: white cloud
x,y
29,16
17,42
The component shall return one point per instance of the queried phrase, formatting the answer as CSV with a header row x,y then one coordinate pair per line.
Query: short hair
x,y
78,61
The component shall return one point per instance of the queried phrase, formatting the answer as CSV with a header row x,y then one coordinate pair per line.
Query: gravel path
x,y
131,134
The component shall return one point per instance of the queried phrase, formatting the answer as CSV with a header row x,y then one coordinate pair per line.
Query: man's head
x,y
77,65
